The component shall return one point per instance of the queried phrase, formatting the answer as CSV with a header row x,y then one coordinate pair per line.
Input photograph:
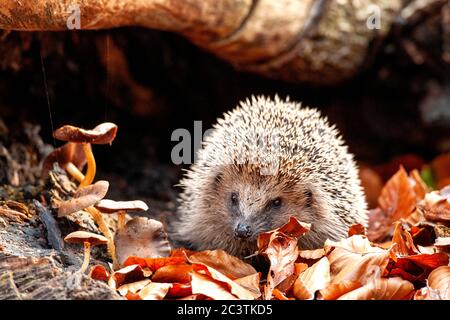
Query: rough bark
x,y
319,41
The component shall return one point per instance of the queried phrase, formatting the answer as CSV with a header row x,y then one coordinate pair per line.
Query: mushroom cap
x,y
102,134
83,198
84,236
111,206
69,152
141,237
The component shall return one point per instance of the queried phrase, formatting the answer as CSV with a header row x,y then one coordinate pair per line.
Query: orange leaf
x,y
398,198
221,261
154,263
404,245
173,273
131,273
99,272
179,290
356,229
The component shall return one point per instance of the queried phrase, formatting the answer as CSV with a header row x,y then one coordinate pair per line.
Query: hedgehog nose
x,y
242,231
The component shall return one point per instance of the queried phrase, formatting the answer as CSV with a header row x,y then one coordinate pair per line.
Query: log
x,y
320,42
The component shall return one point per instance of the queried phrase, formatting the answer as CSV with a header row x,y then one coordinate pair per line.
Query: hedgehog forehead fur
x,y
266,147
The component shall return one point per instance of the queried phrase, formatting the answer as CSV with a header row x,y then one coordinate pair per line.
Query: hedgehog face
x,y
252,203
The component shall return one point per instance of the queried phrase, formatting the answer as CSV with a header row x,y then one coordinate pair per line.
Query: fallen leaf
x,y
335,290
381,289
439,280
315,278
221,261
132,287
398,198
99,272
311,254
236,289
404,245
251,283
179,290
131,273
350,266
154,263
356,229
180,273
357,244
205,285
154,291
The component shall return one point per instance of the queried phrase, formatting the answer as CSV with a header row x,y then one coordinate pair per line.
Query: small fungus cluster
x,y
89,196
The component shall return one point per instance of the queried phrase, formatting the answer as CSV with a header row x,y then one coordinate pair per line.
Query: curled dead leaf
x,y
439,280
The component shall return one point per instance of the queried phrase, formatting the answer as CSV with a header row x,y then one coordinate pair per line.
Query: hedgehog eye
x,y
234,199
276,203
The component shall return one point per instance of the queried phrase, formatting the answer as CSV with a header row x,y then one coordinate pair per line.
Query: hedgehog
x,y
263,162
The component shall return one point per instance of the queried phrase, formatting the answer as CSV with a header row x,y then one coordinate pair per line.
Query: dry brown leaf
x,y
128,274
436,207
312,254
398,198
228,283
154,291
251,283
404,245
356,229
205,285
351,266
315,278
280,247
132,287
99,272
335,290
282,252
381,289
419,186
439,280
357,244
221,261
154,263
180,273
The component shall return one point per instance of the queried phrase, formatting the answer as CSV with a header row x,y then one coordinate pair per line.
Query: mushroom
x,y
84,199
122,207
88,239
101,134
70,157
141,237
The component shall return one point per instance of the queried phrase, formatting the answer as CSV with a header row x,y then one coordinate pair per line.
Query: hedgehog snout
x,y
243,231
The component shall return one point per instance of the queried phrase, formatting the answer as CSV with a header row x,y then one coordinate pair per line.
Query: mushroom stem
x,y
121,219
87,256
74,172
91,166
97,216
